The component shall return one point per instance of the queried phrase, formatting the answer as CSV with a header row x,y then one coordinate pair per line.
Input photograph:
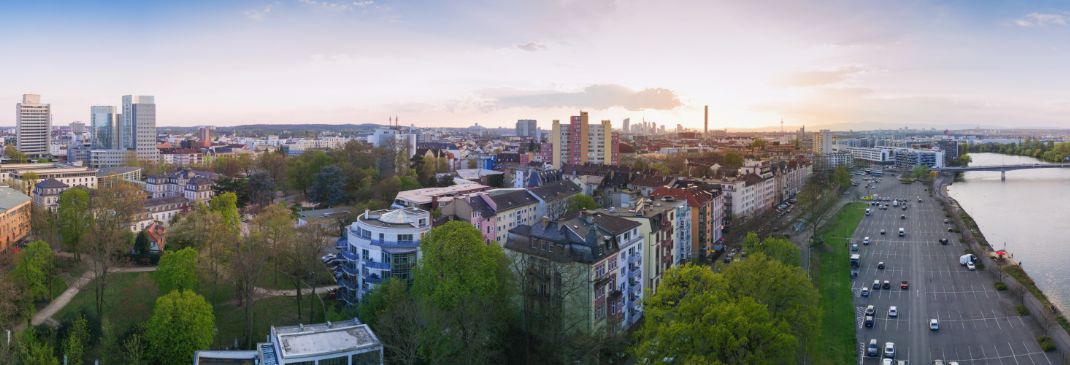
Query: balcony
x,y
376,265
350,256
349,283
350,269
341,244
395,244
374,279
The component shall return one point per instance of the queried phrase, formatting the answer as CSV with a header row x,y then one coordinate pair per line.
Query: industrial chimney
x,y
706,119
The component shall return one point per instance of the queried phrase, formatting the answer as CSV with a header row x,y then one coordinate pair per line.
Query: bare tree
x,y
299,260
113,208
268,230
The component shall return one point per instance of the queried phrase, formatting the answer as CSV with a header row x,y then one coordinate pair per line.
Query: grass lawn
x,y
831,275
128,301
274,280
267,312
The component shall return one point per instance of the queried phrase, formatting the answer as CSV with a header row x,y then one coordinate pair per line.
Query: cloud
x,y
602,96
820,78
338,5
531,46
258,14
1042,20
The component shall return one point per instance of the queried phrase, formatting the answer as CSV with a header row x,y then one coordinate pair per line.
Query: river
x,y
1029,213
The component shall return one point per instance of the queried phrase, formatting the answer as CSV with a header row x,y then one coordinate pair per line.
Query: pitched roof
x,y
555,190
695,196
652,181
51,183
512,199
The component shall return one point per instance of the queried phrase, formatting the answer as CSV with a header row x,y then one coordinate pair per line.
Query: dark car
x,y
943,241
904,285
904,216
880,265
869,321
886,285
873,350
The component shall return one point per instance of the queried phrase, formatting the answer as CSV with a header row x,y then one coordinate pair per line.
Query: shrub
x,y
1001,286
1022,310
1046,343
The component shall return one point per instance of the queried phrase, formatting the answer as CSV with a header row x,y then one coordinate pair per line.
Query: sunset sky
x,y
844,64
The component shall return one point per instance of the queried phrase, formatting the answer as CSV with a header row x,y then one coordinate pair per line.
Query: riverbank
x,y
1007,272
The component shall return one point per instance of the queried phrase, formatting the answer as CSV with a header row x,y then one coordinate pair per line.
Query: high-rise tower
x,y
33,124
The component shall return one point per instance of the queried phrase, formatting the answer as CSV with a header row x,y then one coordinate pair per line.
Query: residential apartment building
x,y
165,210
176,183
14,217
46,194
791,176
829,161
199,189
380,244
583,272
184,157
749,194
527,128
580,143
553,198
657,226
33,126
699,240
494,212
822,142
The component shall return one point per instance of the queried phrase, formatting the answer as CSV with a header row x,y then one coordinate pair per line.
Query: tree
x,y
14,155
33,351
778,249
44,226
274,165
204,230
134,350
142,245
465,285
327,186
397,318
299,260
33,270
227,205
77,338
11,299
239,186
302,170
580,202
177,270
182,323
785,290
261,189
113,208
692,320
841,177
29,180
269,230
74,219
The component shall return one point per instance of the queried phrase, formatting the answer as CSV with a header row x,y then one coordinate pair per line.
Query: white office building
x,y
33,125
380,244
138,126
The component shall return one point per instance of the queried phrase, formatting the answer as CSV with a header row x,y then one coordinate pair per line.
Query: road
x,y
978,325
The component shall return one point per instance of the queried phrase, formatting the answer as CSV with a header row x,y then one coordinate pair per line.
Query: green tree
x,y
77,338
302,170
142,245
227,205
778,249
841,177
33,270
693,320
14,155
580,202
177,270
327,187
33,351
134,350
785,290
182,322
74,219
237,185
113,208
465,285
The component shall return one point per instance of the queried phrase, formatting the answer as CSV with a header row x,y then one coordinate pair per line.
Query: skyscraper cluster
x,y
119,133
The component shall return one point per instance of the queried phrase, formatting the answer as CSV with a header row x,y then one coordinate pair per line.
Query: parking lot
x,y
977,324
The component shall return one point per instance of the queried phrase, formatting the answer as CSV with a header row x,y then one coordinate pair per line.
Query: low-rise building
x,y
46,194
430,198
588,267
348,342
199,189
494,212
177,183
14,217
380,244
165,210
67,174
554,197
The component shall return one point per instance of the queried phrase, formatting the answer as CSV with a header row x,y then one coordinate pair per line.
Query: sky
x,y
841,64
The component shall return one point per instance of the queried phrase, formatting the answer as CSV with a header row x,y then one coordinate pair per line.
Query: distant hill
x,y
282,129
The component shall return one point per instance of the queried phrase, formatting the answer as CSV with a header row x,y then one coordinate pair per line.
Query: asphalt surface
x,y
978,325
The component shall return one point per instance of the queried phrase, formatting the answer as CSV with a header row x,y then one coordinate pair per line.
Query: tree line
x,y
1045,150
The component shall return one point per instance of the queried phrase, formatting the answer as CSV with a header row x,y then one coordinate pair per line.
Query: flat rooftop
x,y
426,195
324,339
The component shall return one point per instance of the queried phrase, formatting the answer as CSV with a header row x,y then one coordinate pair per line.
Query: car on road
x,y
902,232
876,284
854,247
865,241
886,285
904,285
970,266
950,229
882,231
904,216
934,325
864,292
880,265
871,310
946,220
887,362
868,211
893,312
889,350
872,350
943,241
869,322
938,362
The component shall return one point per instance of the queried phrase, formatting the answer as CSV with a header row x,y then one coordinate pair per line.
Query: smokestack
x,y
706,119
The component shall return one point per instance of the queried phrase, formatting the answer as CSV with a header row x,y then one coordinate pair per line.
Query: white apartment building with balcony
x,y
380,244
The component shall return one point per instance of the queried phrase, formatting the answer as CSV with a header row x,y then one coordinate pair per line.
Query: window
x,y
404,238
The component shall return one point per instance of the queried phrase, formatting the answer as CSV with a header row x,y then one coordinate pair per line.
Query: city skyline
x,y
917,63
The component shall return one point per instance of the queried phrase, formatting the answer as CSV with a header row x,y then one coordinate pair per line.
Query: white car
x,y
865,241
934,325
971,266
889,350
893,312
887,362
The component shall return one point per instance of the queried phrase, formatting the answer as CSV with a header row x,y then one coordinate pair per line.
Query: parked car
x,y
327,257
865,292
889,350
943,241
886,285
904,285
876,284
893,312
970,266
882,232
934,325
880,265
872,350
871,310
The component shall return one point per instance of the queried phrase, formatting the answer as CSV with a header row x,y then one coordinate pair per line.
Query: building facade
x,y
579,142
379,245
104,124
527,128
139,126
46,194
14,217
33,126
586,270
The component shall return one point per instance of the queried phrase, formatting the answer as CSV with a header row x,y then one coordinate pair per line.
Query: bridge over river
x,y
1004,168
